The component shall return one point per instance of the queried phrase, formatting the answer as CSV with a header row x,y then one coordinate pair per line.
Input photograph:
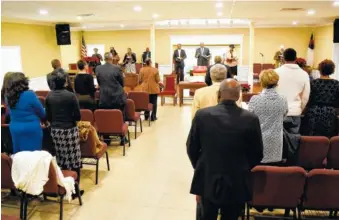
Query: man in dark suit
x,y
145,56
224,144
179,57
203,55
56,65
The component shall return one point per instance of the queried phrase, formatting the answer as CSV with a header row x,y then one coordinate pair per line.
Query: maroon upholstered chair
x,y
42,101
267,66
169,90
333,153
6,172
313,152
7,217
88,150
110,122
256,70
277,187
321,191
132,116
141,102
52,187
42,93
246,97
87,115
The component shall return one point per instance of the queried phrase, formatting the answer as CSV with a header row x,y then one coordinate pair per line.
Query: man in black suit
x,y
224,144
179,57
145,56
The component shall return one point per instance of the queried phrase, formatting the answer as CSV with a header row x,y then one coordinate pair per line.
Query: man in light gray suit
x,y
111,82
203,55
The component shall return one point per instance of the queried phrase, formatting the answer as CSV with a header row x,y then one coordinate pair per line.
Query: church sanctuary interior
x,y
169,110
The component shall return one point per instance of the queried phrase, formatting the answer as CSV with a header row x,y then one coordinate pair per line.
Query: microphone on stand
x,y
262,54
262,59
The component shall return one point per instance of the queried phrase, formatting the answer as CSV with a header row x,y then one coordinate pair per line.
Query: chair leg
x,y
140,124
97,172
129,139
295,214
25,206
61,207
123,145
135,129
77,189
107,161
248,207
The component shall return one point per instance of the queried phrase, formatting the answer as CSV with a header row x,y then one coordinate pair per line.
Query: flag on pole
x,y
83,51
310,51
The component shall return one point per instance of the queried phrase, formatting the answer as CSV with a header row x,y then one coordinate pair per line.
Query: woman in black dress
x,y
320,116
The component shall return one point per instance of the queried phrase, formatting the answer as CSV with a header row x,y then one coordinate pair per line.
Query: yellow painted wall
x,y
71,53
38,46
268,41
138,40
323,49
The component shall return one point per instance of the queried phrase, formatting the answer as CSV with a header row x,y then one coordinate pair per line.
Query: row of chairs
x,y
292,188
50,188
318,152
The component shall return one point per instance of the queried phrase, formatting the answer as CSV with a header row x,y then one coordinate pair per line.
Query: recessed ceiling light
x,y
43,12
311,12
137,8
84,27
122,26
219,14
155,15
336,4
79,17
294,22
219,5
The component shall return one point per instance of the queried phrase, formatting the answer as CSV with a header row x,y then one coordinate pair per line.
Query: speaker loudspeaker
x,y
336,31
63,34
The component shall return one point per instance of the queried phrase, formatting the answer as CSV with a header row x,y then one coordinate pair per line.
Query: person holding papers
x,y
203,55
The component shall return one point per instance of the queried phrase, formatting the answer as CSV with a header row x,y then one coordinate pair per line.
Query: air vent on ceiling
x,y
292,9
85,15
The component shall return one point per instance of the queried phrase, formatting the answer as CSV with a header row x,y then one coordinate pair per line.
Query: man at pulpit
x,y
203,55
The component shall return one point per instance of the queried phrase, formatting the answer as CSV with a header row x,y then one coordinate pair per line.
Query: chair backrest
x,y
170,83
313,151
6,172
270,186
108,121
140,99
88,148
87,115
246,97
42,93
138,66
257,68
333,153
51,185
130,110
42,101
97,95
72,66
267,66
321,190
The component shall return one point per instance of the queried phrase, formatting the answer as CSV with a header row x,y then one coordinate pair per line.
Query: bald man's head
x,y
56,64
229,90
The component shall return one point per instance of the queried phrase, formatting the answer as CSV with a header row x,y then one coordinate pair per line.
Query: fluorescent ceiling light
x,y
311,12
219,14
137,8
155,16
219,5
43,12
294,22
122,26
79,17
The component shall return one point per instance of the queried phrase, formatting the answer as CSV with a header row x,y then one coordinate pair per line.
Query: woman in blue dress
x,y
26,113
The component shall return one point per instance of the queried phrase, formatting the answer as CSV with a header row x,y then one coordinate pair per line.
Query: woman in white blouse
x,y
271,108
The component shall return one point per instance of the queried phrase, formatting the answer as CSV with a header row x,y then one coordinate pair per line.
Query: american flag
x,y
83,50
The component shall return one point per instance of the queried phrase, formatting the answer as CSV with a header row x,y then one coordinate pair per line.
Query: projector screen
x,y
10,59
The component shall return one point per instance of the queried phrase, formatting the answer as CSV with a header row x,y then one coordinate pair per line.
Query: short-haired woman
x,y
26,113
149,79
129,61
84,87
271,109
62,110
320,116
